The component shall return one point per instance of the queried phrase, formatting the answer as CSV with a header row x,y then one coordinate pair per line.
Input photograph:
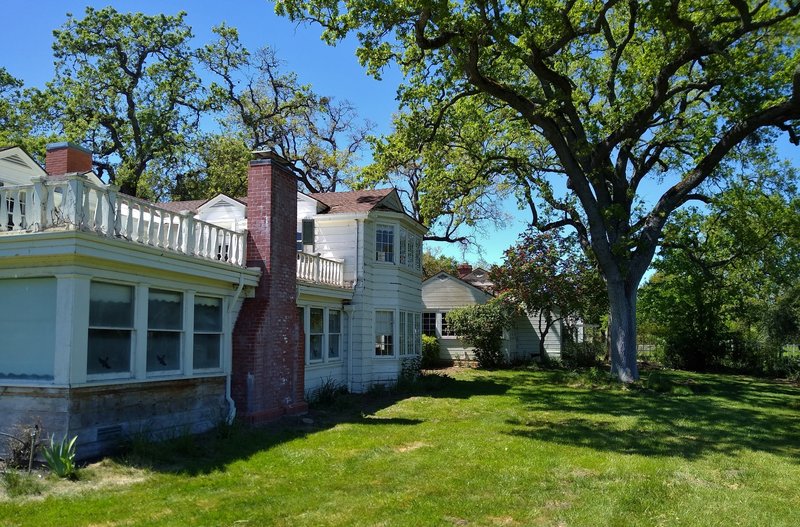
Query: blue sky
x,y
333,71
27,38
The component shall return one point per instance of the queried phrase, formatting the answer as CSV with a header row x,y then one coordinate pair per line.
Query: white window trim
x,y
115,376
182,347
221,333
393,354
306,324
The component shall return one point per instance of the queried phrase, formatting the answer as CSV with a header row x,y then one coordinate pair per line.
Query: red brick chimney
x,y
464,269
67,158
268,356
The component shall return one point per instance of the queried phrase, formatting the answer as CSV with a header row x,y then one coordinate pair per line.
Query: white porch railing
x,y
319,270
75,203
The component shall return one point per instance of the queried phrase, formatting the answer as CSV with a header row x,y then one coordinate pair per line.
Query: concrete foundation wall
x,y
104,416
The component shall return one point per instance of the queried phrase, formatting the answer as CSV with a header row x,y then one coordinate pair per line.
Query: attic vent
x,y
219,204
109,433
16,159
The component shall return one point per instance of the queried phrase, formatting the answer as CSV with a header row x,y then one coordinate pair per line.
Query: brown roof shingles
x,y
355,201
178,206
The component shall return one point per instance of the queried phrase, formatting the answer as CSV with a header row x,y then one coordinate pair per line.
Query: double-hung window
x,y
164,330
384,333
384,243
207,333
316,333
110,330
334,333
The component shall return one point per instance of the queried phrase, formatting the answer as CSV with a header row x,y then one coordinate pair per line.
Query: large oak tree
x,y
621,91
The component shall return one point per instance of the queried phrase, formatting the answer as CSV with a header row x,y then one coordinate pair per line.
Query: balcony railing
x,y
75,203
318,270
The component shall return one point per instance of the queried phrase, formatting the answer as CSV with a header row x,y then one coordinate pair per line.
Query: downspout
x,y
228,398
349,310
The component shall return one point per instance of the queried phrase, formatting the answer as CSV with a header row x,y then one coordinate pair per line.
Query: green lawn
x,y
478,448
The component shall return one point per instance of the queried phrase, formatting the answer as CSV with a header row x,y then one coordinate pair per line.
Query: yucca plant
x,y
60,457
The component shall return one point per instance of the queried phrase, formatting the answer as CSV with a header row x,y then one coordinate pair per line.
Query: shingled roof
x,y
355,201
190,205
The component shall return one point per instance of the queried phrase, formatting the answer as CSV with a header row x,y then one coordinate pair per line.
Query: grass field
x,y
505,448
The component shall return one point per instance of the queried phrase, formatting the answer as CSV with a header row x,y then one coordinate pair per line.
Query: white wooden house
x,y
443,292
122,316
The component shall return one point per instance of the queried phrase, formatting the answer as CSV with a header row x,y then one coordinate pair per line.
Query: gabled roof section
x,y
194,205
17,167
479,277
443,275
178,206
311,203
221,200
360,201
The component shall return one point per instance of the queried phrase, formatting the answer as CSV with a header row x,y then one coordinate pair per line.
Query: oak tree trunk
x,y
622,329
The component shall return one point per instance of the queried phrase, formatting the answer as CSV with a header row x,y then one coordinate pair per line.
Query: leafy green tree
x,y
720,270
18,125
548,273
441,165
620,91
433,264
266,108
482,327
125,86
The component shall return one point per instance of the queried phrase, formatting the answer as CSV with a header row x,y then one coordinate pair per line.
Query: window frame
x,y
118,375
385,243
221,334
444,326
179,331
388,348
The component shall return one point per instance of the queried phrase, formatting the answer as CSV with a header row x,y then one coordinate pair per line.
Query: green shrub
x,y
410,367
481,326
430,352
581,354
60,457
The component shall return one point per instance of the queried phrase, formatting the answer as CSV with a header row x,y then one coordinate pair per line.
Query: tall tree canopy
x,y
264,107
125,86
620,91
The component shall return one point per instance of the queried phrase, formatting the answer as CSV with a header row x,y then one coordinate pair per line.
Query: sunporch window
x,y
110,330
207,333
164,328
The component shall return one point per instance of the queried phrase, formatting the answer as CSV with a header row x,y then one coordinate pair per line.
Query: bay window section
x,y
384,333
207,333
164,328
110,330
334,334
317,333
417,334
384,243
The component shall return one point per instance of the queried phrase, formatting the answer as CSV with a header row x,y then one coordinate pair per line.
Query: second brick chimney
x,y
464,269
67,158
268,356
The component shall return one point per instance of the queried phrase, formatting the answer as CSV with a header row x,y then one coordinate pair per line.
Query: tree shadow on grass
x,y
699,415
215,450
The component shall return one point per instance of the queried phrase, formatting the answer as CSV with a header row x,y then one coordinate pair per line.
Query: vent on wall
x,y
16,159
109,433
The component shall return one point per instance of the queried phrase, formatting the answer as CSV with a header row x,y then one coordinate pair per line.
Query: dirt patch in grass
x,y
411,446
96,477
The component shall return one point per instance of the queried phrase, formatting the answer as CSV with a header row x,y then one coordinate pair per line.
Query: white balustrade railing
x,y
75,203
319,270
